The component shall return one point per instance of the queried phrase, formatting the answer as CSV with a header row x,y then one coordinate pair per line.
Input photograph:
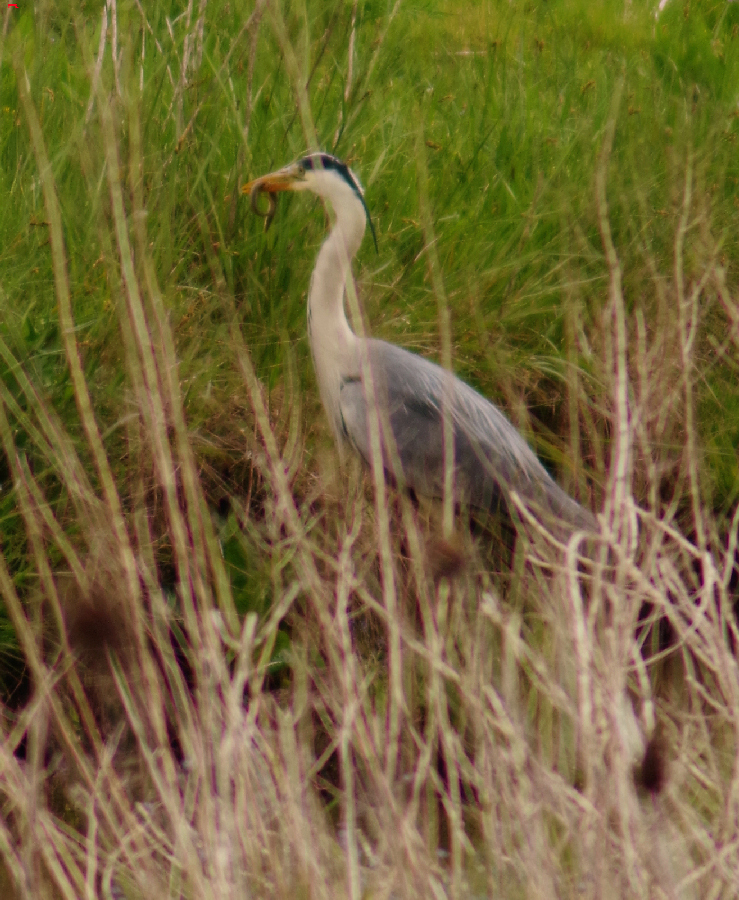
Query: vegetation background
x,y
230,667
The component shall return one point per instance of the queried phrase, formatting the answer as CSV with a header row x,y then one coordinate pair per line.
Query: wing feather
x,y
490,455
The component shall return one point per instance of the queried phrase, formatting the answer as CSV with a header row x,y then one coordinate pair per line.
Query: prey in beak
x,y
289,178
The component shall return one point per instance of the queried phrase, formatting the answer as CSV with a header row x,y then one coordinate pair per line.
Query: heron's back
x,y
490,456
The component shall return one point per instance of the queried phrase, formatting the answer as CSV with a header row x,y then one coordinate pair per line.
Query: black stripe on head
x,y
317,161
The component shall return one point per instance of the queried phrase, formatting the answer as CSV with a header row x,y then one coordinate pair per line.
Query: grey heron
x,y
491,459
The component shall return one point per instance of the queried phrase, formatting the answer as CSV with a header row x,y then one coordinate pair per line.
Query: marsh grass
x,y
230,666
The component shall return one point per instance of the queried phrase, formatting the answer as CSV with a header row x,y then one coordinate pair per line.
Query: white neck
x,y
333,343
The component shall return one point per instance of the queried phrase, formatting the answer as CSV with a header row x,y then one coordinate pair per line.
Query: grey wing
x,y
414,455
490,455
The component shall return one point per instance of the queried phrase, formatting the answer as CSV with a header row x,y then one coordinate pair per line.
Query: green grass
x,y
185,565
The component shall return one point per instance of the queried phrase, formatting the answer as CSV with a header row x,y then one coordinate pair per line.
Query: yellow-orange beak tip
x,y
270,184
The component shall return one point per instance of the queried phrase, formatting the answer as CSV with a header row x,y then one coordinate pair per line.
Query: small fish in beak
x,y
268,214
282,180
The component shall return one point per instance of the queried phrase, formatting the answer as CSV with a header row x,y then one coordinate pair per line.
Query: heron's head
x,y
322,174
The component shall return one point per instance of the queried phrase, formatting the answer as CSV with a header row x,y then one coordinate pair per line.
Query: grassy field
x,y
228,665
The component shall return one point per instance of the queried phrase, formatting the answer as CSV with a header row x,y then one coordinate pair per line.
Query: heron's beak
x,y
291,178
286,179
